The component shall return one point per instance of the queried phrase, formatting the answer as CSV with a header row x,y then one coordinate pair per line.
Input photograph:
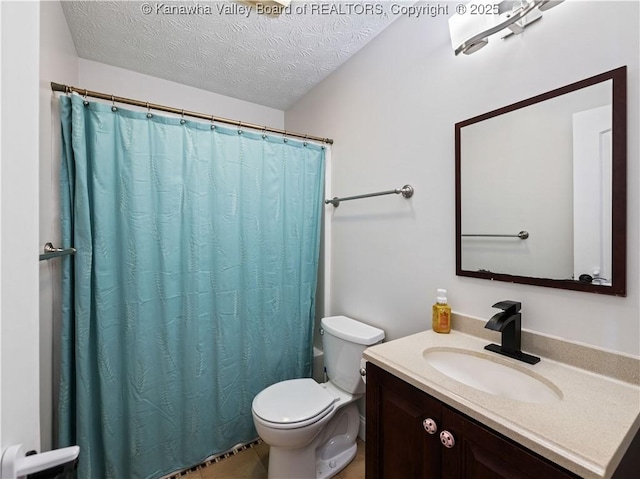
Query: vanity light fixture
x,y
474,22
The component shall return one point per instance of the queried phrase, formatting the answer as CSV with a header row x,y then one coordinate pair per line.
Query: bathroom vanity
x,y
425,420
404,426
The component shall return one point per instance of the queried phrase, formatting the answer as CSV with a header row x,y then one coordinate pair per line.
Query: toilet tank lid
x,y
352,330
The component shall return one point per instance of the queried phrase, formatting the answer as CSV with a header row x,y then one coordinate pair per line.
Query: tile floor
x,y
252,464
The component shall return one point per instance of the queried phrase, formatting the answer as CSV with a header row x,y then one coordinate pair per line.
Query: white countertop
x,y
586,432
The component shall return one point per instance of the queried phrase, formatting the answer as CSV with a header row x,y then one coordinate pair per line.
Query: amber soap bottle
x,y
441,319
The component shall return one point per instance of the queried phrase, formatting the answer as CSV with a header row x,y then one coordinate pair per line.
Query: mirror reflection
x,y
536,198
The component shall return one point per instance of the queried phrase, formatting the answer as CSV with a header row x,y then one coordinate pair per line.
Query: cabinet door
x,y
482,454
397,445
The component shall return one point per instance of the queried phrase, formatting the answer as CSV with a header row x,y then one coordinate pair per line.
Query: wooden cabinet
x,y
398,445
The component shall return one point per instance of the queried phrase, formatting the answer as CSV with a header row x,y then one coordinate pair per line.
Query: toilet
x,y
312,428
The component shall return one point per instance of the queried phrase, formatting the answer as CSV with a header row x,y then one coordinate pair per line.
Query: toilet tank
x,y
344,340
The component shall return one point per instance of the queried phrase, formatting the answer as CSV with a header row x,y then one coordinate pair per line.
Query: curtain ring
x,y
149,115
239,128
182,120
264,132
304,143
284,138
213,118
85,102
113,103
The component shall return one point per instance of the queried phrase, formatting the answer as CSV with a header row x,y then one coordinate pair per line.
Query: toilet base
x,y
330,467
334,446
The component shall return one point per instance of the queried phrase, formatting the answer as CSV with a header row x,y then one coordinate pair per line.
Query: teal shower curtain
x,y
192,288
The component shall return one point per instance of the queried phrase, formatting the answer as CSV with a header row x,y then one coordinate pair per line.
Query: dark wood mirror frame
x,y
619,188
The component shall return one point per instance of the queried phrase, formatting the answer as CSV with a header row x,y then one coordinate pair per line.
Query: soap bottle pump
x,y
441,319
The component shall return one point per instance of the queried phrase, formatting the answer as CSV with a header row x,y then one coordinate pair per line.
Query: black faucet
x,y
508,322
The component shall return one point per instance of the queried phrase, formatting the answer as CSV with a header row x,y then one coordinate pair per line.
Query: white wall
x,y
19,388
120,82
391,110
58,63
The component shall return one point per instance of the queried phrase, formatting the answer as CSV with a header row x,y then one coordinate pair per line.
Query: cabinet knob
x,y
447,440
430,426
363,372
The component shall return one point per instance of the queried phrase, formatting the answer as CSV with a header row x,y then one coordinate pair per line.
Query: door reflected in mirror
x,y
541,189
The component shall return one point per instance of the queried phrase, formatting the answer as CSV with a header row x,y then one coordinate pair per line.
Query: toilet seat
x,y
293,404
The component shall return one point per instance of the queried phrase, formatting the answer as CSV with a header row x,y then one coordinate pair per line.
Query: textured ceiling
x,y
269,60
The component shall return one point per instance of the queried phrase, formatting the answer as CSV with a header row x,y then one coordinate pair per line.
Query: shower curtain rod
x,y
154,106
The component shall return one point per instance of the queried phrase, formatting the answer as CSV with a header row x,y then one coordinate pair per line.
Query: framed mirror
x,y
541,189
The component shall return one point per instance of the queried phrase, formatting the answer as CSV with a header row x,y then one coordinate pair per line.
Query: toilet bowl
x,y
311,428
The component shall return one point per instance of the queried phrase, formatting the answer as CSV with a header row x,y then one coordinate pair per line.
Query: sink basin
x,y
492,375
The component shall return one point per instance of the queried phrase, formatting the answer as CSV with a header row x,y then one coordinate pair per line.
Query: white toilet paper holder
x,y
15,465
